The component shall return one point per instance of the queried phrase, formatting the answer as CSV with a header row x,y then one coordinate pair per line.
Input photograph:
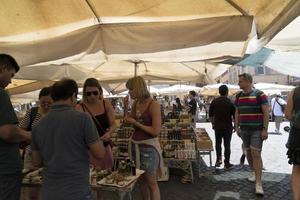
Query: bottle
x,y
116,166
133,168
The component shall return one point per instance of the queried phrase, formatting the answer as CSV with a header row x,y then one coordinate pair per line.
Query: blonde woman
x,y
146,118
103,116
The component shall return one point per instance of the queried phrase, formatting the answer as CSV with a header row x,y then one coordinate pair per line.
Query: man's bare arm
x,y
36,159
265,110
97,149
12,133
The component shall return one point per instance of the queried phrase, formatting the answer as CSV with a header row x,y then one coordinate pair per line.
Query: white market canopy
x,y
286,57
213,90
19,86
288,39
179,89
272,88
285,62
152,90
95,38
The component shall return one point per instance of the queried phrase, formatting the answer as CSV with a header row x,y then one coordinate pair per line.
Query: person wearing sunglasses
x,y
103,116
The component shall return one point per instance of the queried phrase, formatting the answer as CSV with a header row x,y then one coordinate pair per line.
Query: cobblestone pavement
x,y
220,184
224,185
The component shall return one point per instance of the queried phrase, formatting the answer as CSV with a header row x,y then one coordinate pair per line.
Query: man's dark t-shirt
x,y
193,106
62,139
10,159
222,110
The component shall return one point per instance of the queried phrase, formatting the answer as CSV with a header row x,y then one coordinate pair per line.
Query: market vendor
x,y
145,149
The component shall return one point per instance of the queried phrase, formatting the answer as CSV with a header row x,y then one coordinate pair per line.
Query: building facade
x,y
260,74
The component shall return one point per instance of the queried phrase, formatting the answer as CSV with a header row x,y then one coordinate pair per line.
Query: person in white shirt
x,y
167,105
278,104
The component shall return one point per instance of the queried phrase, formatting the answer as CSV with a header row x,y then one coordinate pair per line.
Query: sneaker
x,y
228,166
251,177
218,163
259,189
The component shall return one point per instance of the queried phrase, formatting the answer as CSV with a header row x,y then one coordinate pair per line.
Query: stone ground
x,y
220,184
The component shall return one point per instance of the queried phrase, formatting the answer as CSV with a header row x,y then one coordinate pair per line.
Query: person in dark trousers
x,y
192,105
221,114
10,135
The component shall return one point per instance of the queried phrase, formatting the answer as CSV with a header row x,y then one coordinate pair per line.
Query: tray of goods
x,y
96,175
117,179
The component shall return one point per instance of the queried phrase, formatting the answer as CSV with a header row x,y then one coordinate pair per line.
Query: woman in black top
x,y
103,116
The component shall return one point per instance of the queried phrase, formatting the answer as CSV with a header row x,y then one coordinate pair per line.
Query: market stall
x,y
121,181
177,141
204,146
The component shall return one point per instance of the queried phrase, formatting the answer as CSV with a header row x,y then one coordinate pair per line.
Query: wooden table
x,y
121,191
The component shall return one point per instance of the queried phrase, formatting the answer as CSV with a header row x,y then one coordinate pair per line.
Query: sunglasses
x,y
95,93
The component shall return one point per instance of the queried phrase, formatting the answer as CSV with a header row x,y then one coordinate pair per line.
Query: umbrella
x,y
177,89
213,90
272,88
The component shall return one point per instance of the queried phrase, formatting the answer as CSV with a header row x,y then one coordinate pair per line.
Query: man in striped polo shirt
x,y
251,124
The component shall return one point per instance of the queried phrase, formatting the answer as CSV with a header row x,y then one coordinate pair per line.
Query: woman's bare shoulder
x,y
78,107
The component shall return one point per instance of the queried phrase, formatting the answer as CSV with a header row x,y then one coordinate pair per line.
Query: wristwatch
x,y
265,128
